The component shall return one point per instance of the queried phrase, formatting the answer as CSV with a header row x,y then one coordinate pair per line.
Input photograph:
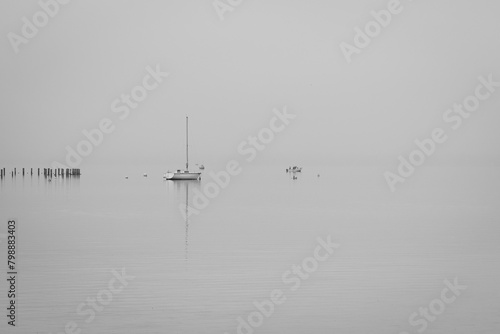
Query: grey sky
x,y
229,75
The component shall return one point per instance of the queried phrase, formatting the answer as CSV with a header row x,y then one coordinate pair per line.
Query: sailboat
x,y
185,174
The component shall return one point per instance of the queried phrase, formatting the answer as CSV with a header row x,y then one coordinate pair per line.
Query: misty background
x,y
199,273
229,75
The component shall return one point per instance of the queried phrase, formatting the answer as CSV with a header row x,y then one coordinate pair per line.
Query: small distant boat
x,y
201,167
294,169
185,174
145,175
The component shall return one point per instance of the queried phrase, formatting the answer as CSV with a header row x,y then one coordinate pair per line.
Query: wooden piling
x,y
47,172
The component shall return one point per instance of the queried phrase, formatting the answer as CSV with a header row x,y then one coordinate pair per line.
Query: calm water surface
x,y
199,275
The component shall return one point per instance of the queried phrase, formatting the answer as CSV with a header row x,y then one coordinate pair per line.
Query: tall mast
x,y
187,145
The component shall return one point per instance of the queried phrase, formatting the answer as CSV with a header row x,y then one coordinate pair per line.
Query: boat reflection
x,y
180,192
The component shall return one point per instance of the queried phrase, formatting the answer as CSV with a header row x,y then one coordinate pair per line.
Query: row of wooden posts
x,y
47,172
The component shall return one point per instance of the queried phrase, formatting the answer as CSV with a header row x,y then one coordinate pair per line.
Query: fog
x,y
228,76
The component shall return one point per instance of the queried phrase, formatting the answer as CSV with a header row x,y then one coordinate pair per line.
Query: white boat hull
x,y
182,176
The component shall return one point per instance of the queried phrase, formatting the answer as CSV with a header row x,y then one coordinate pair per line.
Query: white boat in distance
x,y
294,169
185,174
